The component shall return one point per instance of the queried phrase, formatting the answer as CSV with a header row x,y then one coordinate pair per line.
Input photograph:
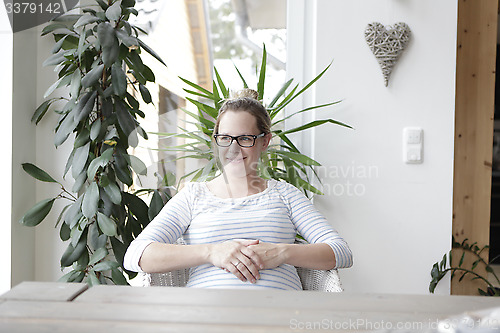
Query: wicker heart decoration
x,y
387,44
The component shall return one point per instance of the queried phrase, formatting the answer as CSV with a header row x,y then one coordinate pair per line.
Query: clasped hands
x,y
244,258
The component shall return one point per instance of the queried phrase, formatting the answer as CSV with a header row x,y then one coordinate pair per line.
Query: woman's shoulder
x,y
190,190
192,187
285,189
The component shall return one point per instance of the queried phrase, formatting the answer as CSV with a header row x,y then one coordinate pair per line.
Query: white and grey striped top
x,y
275,215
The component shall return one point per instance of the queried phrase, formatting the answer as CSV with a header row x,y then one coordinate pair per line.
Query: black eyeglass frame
x,y
235,138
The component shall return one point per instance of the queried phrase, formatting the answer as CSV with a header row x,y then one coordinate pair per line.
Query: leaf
x,y
105,266
262,75
92,76
98,255
82,262
122,170
127,123
105,34
38,173
114,11
313,124
55,59
52,88
90,201
79,181
117,277
76,83
137,207
40,111
137,165
86,19
95,129
114,193
73,253
72,276
119,80
58,45
119,249
155,205
52,27
222,87
37,213
245,85
99,162
297,157
65,129
198,87
126,39
80,160
92,278
150,51
77,231
110,53
64,232
461,260
146,96
106,224
280,93
88,106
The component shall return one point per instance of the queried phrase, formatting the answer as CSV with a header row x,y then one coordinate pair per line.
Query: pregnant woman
x,y
239,228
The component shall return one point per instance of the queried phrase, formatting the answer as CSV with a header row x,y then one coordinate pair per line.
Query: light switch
x,y
413,142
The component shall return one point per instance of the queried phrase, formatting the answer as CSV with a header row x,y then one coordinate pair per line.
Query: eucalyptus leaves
x,y
282,160
98,59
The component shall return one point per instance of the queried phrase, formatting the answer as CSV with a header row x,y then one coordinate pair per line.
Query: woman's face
x,y
240,161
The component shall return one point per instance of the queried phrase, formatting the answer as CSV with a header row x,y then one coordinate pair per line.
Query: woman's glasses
x,y
245,141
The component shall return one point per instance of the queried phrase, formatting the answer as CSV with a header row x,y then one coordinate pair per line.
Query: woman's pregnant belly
x,y
208,276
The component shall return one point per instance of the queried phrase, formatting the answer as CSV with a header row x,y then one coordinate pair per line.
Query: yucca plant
x,y
97,55
281,161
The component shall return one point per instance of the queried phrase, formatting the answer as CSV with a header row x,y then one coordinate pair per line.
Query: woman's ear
x,y
266,139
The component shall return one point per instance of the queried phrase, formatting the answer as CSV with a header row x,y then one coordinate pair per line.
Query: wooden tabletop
x,y
58,307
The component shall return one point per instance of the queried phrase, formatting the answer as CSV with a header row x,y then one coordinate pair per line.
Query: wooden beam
x,y
474,111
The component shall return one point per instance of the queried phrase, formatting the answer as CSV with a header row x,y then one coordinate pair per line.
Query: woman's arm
x,y
313,256
233,256
315,229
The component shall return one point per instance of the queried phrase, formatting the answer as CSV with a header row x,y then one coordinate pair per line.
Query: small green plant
x,y
97,56
439,270
281,161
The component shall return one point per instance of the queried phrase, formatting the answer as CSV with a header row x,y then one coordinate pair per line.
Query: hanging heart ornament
x,y
387,44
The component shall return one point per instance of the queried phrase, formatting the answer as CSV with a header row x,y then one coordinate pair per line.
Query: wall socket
x,y
413,143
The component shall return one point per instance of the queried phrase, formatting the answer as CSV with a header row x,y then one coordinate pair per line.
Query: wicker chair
x,y
311,279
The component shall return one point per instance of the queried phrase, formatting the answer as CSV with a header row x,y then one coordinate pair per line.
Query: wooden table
x,y
62,307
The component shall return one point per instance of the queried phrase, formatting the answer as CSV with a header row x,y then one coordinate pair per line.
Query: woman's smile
x,y
236,159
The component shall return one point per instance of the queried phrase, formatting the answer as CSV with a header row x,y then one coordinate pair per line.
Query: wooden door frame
x,y
474,120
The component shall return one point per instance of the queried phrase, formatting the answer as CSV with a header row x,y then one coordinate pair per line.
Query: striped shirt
x,y
274,215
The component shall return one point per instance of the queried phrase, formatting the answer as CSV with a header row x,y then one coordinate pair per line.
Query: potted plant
x,y
439,270
97,55
281,161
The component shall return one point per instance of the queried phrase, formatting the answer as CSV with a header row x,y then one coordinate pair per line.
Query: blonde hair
x,y
246,100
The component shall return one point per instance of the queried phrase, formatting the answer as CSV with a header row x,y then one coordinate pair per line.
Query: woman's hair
x,y
246,100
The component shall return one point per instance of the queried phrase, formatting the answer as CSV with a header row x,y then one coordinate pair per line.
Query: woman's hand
x,y
272,255
236,257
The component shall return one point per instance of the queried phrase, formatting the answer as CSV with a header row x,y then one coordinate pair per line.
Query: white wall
x,y
396,217
6,37
35,252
